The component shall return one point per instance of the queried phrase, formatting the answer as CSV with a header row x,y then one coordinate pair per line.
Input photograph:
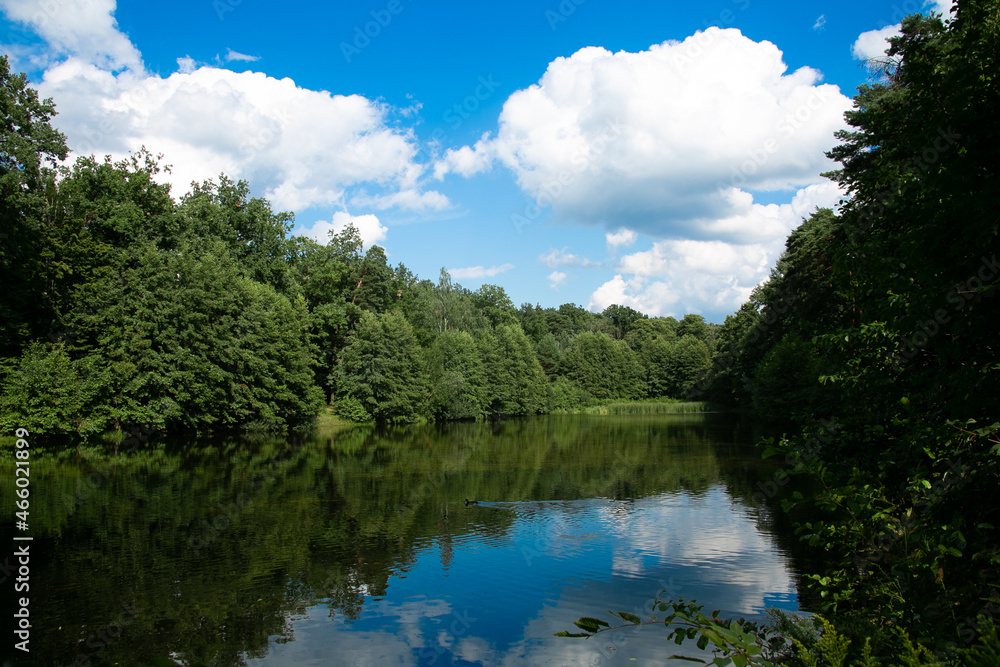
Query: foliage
x,y
603,367
734,642
203,314
515,382
381,368
458,380
787,639
899,327
29,150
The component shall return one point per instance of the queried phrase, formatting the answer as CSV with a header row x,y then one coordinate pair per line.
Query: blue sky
x,y
587,151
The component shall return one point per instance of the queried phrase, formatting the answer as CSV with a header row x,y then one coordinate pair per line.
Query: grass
x,y
327,420
650,407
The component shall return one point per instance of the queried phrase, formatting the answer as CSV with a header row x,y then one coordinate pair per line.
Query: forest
x,y
125,309
874,344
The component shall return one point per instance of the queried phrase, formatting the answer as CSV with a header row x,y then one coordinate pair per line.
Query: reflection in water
x,y
358,548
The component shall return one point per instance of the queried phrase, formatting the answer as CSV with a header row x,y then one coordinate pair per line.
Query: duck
x,y
471,502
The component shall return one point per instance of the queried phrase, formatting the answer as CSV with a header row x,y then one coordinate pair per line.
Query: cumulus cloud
x,y
304,147
655,136
466,161
556,257
622,238
679,276
557,279
371,231
874,43
480,271
87,30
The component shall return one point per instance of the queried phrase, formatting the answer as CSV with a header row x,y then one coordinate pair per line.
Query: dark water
x,y
358,549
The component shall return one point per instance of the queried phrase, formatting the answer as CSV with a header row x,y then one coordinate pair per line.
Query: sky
x,y
597,152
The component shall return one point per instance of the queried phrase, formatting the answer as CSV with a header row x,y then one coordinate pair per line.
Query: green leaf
x,y
689,659
591,624
571,634
626,616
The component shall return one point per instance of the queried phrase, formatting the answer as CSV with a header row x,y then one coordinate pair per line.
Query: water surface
x,y
358,548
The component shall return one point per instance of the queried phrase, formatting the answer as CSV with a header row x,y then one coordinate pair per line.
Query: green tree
x,y
604,367
515,381
29,150
494,304
688,361
256,236
695,325
382,369
622,318
913,352
457,377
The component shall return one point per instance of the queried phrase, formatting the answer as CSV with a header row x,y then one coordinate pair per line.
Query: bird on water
x,y
471,502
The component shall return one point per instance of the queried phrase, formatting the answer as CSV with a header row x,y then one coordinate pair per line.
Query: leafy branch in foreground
x,y
789,640
734,641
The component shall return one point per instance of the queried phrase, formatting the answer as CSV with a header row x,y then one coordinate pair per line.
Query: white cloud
x,y
409,199
466,161
371,231
557,279
556,257
679,276
874,43
944,7
480,271
303,147
653,136
622,238
87,30
242,57
820,22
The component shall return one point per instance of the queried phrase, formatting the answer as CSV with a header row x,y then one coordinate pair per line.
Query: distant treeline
x,y
123,308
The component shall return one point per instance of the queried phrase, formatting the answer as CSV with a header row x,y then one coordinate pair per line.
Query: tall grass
x,y
650,407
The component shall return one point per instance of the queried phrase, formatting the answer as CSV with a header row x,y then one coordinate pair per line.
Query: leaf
x,y
591,624
571,634
626,616
684,657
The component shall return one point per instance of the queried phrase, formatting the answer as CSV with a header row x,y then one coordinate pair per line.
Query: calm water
x,y
358,549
